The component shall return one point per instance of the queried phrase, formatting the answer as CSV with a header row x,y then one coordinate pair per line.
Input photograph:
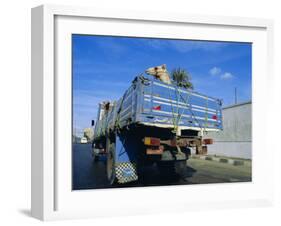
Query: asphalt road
x,y
89,175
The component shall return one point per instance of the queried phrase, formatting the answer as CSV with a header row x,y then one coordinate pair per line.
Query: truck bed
x,y
151,102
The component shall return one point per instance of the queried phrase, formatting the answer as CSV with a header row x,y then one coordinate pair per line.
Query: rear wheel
x,y
110,162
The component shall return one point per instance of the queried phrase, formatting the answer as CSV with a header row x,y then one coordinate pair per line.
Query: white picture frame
x,y
52,197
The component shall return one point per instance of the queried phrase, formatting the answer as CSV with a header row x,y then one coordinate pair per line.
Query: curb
x,y
230,161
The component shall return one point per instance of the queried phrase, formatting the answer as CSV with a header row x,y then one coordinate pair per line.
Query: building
x,y
236,138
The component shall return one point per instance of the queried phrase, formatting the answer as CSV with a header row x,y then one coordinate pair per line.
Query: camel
x,y
160,72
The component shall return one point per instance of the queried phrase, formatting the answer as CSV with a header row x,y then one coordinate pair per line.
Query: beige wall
x,y
235,139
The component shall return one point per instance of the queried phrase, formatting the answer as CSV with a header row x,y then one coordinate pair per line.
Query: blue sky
x,y
103,67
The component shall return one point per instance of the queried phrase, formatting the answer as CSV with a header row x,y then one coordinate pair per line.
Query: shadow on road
x,y
88,174
92,175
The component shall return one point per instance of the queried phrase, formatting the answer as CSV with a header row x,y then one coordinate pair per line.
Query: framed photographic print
x,y
143,113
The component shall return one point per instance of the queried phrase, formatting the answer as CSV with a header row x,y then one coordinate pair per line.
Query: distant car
x,y
83,140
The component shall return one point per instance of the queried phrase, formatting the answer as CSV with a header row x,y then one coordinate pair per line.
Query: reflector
x,y
214,117
158,107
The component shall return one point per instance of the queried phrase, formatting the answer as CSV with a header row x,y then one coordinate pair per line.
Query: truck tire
x,y
110,161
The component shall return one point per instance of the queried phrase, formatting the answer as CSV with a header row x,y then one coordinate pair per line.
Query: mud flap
x,y
126,172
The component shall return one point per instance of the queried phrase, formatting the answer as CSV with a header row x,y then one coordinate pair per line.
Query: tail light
x,y
208,141
152,141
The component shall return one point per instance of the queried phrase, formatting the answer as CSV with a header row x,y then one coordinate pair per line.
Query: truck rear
x,y
154,122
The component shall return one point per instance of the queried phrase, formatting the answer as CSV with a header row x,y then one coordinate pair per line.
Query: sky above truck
x,y
104,67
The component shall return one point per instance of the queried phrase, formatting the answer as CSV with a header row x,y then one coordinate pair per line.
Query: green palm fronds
x,y
182,78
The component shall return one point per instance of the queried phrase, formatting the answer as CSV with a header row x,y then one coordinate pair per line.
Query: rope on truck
x,y
176,120
173,113
202,127
186,102
176,116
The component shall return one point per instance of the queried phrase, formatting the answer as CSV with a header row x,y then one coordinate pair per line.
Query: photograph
x,y
150,111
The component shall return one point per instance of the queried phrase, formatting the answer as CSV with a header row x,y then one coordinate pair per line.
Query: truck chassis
x,y
138,145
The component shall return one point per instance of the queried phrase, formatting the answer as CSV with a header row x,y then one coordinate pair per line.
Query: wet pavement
x,y
88,174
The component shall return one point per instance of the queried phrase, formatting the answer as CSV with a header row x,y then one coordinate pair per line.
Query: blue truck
x,y
153,123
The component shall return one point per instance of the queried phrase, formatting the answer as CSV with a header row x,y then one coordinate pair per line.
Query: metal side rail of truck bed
x,y
154,103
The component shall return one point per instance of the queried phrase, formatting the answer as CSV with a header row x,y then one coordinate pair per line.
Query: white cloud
x,y
227,75
215,71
